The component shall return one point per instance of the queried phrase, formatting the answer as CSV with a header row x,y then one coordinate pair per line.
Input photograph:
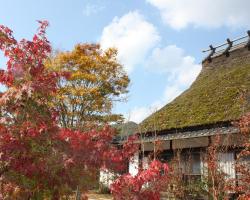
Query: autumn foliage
x,y
96,81
146,185
38,159
47,149
242,165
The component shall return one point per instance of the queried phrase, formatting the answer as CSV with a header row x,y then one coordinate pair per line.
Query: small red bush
x,y
146,185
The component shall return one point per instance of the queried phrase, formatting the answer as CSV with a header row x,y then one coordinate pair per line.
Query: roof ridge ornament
x,y
226,48
230,44
248,42
209,57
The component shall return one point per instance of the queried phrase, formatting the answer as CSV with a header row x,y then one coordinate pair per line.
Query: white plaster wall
x,y
134,164
106,177
145,162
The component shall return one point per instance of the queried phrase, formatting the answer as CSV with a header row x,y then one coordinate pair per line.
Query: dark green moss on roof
x,y
220,93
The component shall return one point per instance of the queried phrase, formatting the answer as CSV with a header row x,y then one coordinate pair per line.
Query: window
x,y
191,166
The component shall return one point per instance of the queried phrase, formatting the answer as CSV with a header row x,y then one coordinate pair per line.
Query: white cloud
x,y
138,114
204,13
138,43
91,9
170,93
133,36
180,70
3,61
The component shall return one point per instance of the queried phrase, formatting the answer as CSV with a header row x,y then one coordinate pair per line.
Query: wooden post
x,y
78,193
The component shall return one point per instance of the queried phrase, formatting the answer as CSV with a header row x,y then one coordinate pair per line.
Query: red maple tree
x,y
38,159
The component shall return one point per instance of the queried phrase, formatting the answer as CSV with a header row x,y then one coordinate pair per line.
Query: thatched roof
x,y
220,93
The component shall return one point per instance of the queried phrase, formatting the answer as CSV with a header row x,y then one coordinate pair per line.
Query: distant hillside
x,y
220,93
126,129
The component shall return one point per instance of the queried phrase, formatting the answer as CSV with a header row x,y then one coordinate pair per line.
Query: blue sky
x,y
159,41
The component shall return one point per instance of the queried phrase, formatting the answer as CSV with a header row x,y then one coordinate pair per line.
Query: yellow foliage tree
x,y
97,80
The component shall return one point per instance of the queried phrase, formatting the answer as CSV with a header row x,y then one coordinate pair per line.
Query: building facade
x,y
200,117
